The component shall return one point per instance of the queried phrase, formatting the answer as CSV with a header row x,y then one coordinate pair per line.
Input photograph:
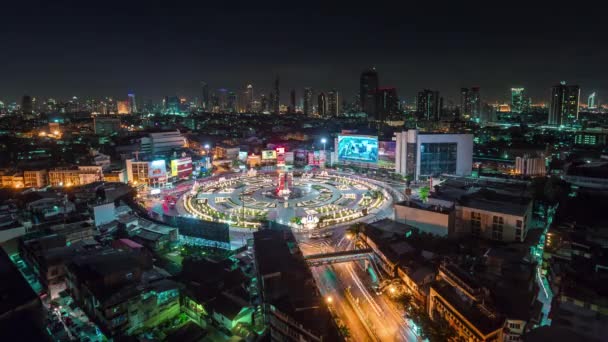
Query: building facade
x,y
75,177
428,105
423,155
564,105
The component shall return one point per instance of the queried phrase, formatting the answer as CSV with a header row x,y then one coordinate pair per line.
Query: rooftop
x,y
475,314
290,286
15,292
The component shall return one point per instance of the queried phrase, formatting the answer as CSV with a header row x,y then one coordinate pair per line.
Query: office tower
x,y
387,103
307,101
470,103
428,105
517,100
232,102
132,103
277,97
564,103
592,101
292,101
205,97
222,95
27,106
263,103
368,86
322,104
248,98
333,99
475,103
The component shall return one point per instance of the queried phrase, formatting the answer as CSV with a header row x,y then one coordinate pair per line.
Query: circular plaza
x,y
304,201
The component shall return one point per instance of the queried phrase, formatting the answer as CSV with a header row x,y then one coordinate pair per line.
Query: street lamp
x,y
329,299
323,141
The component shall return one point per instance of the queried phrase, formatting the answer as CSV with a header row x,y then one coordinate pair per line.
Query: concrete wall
x,y
425,220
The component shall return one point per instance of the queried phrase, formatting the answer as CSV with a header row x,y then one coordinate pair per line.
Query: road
x,y
369,316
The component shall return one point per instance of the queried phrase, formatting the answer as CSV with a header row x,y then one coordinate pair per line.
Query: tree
x,y
424,193
344,331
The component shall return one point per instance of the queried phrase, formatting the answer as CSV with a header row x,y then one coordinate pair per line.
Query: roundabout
x,y
304,201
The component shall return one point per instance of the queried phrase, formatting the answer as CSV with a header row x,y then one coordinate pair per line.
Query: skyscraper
x,y
564,103
470,103
387,103
248,98
517,100
368,86
307,101
277,97
263,103
592,101
333,101
132,103
292,101
205,98
231,106
322,105
27,106
428,105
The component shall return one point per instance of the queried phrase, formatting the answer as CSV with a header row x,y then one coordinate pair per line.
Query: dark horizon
x,y
70,49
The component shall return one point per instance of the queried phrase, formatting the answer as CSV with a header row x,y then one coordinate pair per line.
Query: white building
x,y
424,155
152,173
163,142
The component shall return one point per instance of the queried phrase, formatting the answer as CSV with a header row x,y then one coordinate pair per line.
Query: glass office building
x,y
437,158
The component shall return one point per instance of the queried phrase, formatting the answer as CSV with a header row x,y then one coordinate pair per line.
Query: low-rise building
x,y
293,308
35,179
22,316
113,289
75,177
459,299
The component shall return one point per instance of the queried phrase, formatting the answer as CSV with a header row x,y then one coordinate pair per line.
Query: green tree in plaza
x,y
424,193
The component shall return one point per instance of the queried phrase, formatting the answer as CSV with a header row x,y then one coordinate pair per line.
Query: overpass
x,y
336,257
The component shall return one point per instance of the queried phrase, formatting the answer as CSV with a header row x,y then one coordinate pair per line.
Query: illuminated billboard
x,y
157,169
181,168
358,148
269,154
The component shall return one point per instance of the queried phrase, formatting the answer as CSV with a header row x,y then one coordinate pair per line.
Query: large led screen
x,y
358,148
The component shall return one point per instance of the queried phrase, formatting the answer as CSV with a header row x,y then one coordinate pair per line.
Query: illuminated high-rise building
x,y
592,101
322,104
563,108
333,103
368,86
307,101
517,100
248,98
205,96
470,103
428,105
277,97
132,103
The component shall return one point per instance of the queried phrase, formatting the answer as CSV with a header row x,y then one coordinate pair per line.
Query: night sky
x,y
166,48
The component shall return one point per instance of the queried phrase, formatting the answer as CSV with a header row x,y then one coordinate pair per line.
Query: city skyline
x,y
70,50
